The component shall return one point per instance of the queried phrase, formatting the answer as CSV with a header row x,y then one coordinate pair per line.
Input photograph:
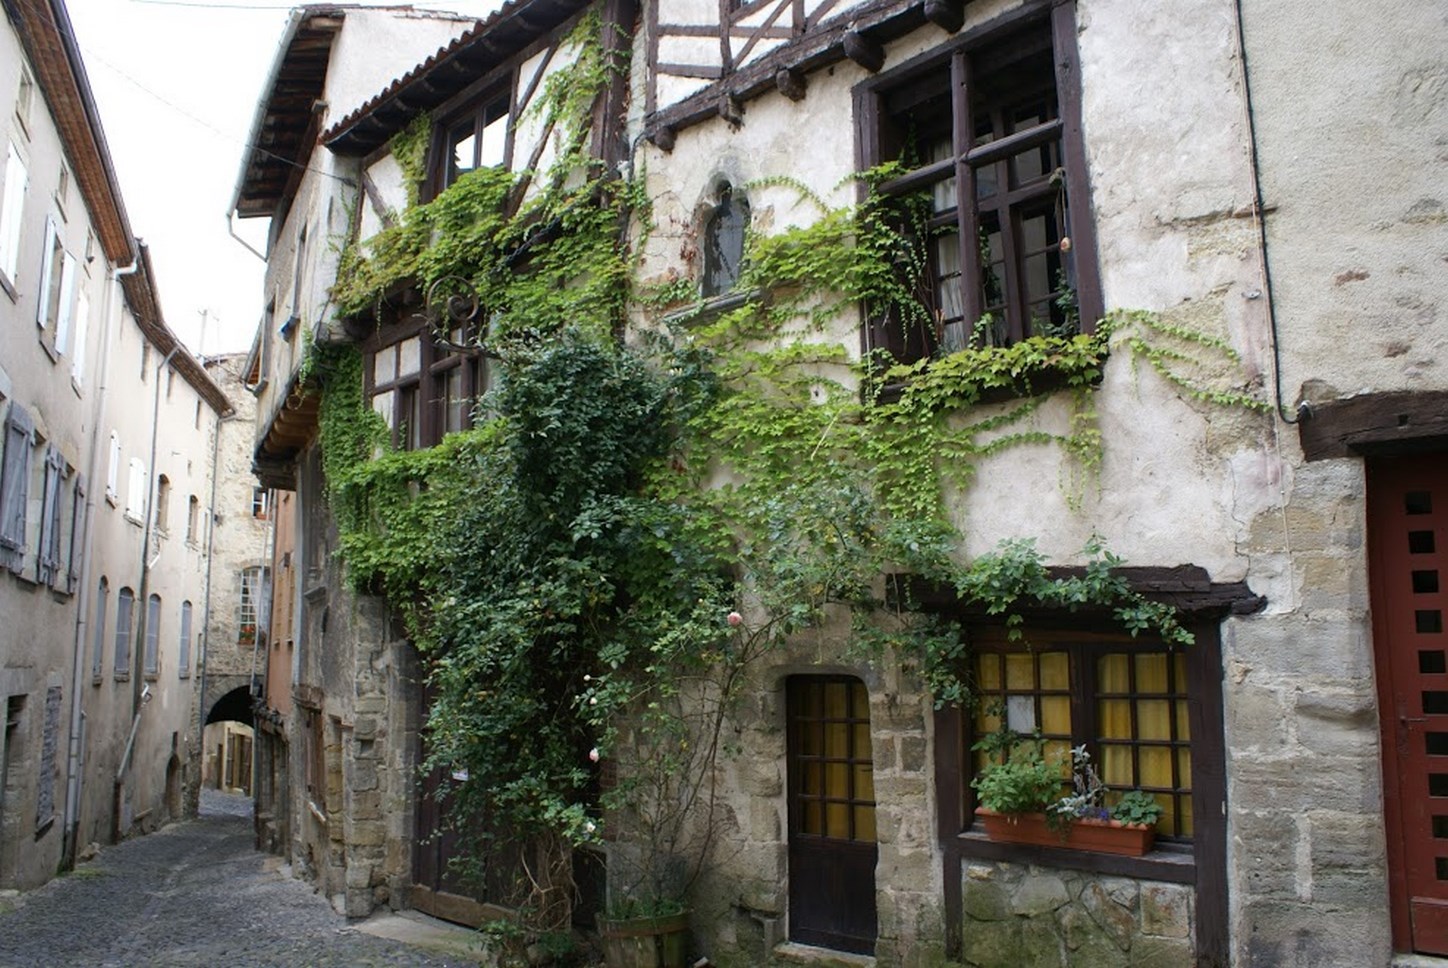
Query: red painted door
x,y
1408,548
832,851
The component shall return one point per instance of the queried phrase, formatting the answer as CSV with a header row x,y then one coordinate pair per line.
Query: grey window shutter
x,y
15,486
77,535
48,554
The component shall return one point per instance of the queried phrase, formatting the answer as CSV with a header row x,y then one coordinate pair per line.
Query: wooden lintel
x,y
731,109
863,50
791,83
1375,424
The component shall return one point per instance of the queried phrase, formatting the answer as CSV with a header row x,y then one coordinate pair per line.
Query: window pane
x,y
864,782
464,152
1153,719
1113,673
1116,766
495,141
837,780
1184,728
1020,671
862,741
1056,715
837,820
837,739
865,823
988,671
810,780
1056,671
810,740
1155,762
836,700
1151,672
812,821
860,705
1114,718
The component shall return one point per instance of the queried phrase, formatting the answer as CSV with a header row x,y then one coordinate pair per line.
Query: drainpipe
x,y
138,660
201,653
74,749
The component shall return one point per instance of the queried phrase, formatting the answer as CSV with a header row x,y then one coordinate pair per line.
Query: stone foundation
x,y
1019,916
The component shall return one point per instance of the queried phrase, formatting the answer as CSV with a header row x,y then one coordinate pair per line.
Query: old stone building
x,y
106,483
1262,438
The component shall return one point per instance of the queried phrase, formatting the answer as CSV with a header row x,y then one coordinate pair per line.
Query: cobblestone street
x,y
194,893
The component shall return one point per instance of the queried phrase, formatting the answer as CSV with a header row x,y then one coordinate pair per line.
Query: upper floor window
x,y
98,634
426,388
253,590
24,98
57,289
260,503
724,242
15,486
12,202
193,519
125,604
163,503
480,137
153,635
989,139
183,655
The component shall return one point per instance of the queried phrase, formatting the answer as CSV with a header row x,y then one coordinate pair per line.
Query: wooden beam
x,y
791,83
1375,424
863,50
946,14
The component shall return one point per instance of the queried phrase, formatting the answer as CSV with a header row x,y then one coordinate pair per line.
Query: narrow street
x,y
194,893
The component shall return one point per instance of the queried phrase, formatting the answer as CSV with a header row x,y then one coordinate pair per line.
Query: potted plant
x,y
1021,802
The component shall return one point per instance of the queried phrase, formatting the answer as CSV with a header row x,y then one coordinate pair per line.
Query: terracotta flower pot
x,y
1101,836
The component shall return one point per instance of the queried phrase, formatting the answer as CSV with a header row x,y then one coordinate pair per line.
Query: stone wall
x,y
1024,916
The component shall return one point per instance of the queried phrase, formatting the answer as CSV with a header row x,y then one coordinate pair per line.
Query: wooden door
x,y
1408,548
832,850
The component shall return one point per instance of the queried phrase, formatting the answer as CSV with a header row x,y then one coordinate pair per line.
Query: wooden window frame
x,y
949,69
151,661
1200,862
426,385
472,109
125,607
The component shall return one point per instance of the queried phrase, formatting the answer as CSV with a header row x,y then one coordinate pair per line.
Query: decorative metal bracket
x,y
452,301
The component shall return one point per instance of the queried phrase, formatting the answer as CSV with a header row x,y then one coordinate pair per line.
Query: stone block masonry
x,y
1020,916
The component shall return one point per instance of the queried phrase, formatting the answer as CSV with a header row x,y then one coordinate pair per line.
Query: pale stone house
x,y
107,469
1200,164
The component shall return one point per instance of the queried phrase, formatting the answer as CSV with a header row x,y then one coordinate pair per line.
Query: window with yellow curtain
x,y
1126,702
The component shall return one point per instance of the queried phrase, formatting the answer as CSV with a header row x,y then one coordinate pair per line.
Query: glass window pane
x,y
837,820
864,782
1151,672
811,741
810,781
1153,719
1056,715
988,671
1184,768
809,702
812,821
1114,718
1116,766
865,824
837,739
837,780
464,151
836,700
1112,673
1055,671
1155,763
1184,815
1020,671
860,697
495,141
862,741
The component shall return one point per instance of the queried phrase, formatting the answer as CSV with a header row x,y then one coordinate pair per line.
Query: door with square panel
x,y
832,850
1408,567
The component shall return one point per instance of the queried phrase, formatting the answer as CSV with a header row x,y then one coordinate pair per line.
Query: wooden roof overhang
x,y
140,290
488,43
290,428
283,132
46,34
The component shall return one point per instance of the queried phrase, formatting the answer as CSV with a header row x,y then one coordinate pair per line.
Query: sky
x,y
177,83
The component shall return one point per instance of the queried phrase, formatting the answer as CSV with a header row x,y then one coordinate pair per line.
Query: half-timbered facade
x,y
1075,158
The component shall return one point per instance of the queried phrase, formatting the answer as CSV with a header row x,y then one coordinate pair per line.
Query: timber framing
x,y
858,34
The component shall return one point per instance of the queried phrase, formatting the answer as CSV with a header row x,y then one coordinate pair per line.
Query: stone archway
x,y
227,738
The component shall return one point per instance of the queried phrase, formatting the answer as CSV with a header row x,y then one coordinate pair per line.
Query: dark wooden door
x,y
455,877
832,850
1408,547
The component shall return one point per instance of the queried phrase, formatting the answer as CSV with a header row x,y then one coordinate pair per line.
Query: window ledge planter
x,y
644,942
1101,836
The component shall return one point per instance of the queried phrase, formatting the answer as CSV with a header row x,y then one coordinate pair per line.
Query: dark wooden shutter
x,y
15,486
77,536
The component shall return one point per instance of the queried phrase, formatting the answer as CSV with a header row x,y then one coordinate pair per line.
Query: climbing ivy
x,y
621,508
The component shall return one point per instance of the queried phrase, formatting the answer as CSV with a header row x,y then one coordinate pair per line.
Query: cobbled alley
x,y
194,893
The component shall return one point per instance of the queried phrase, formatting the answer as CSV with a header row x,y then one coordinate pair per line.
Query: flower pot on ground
x,y
1101,836
648,941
